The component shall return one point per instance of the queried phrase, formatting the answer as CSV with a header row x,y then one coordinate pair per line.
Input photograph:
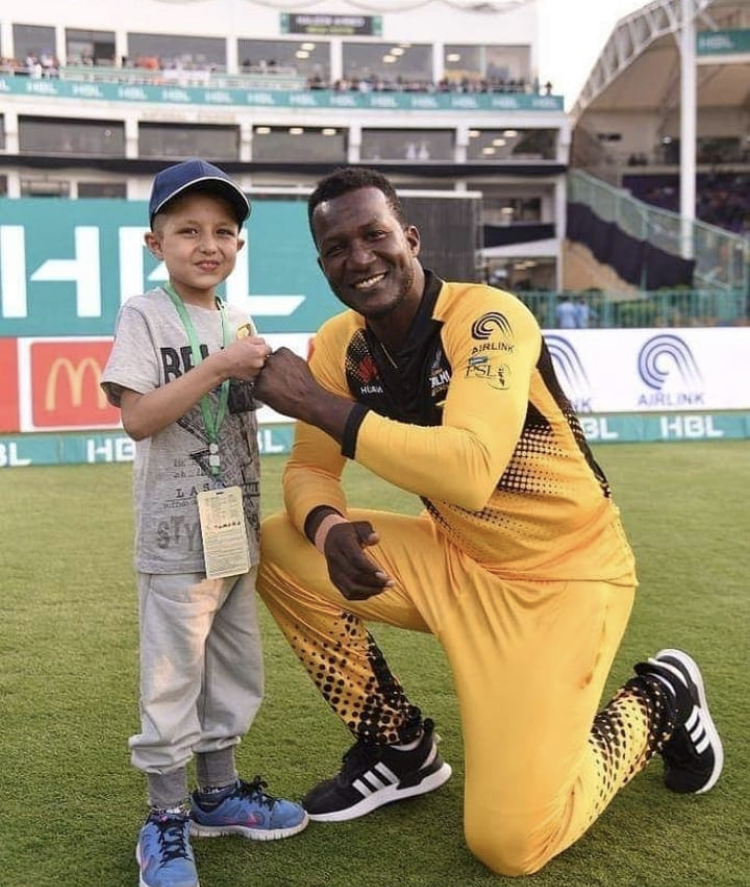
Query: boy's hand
x,y
245,358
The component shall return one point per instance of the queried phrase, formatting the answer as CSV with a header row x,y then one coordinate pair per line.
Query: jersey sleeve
x,y
312,476
493,344
132,363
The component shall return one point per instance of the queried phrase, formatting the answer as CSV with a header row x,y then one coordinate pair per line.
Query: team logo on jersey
x,y
440,375
484,326
496,375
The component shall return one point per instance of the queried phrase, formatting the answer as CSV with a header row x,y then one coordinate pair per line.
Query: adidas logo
x,y
697,732
374,780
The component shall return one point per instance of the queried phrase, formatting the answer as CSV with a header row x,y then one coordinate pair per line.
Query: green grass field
x,y
72,805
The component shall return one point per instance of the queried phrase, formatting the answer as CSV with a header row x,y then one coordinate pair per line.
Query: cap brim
x,y
211,185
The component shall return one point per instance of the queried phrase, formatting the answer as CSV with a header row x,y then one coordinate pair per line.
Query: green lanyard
x,y
212,422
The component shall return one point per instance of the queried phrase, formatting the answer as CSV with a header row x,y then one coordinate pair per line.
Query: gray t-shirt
x,y
150,349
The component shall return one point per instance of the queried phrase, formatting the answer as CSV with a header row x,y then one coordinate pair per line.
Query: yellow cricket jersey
x,y
469,416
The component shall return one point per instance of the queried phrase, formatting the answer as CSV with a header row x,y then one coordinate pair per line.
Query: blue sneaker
x,y
248,811
164,853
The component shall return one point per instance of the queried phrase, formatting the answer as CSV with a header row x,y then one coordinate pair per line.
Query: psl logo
x,y
661,355
482,327
570,370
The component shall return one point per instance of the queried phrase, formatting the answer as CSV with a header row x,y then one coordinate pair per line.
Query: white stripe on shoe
x,y
702,715
373,799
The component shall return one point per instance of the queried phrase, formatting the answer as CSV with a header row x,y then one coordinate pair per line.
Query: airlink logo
x,y
667,366
483,326
65,383
570,371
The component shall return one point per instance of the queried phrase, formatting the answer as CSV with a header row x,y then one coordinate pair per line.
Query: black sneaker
x,y
374,775
693,756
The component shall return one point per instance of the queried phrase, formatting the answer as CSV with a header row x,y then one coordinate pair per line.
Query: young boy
x,y
181,371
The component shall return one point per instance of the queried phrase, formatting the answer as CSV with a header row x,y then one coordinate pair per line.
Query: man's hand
x,y
286,383
355,574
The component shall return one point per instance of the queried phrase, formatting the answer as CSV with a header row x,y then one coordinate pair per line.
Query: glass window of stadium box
x,y
179,140
89,47
103,189
3,186
498,210
305,58
407,144
503,68
720,149
52,135
43,187
32,42
389,65
164,51
299,144
519,275
511,144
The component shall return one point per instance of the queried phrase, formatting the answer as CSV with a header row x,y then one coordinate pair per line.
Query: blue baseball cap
x,y
196,175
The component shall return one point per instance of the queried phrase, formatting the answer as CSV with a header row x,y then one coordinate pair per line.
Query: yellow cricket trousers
x,y
529,661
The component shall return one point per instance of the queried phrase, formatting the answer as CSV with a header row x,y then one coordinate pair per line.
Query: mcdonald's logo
x,y
75,374
66,390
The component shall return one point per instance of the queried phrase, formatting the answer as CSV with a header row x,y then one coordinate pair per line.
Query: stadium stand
x,y
506,187
279,95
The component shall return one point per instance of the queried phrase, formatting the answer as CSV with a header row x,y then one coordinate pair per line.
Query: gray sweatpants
x,y
201,667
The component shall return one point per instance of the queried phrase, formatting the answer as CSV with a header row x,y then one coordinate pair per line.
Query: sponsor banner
x,y
9,412
65,376
58,384
734,41
107,447
176,94
666,427
653,370
52,384
67,266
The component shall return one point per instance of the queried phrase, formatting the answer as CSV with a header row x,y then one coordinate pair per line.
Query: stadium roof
x,y
639,67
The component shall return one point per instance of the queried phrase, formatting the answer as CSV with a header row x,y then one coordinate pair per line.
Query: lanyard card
x,y
225,545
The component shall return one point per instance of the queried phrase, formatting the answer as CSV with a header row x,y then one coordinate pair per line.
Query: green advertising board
x,y
724,42
176,94
66,266
23,450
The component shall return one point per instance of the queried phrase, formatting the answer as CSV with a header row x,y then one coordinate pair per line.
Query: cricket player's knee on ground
x,y
508,845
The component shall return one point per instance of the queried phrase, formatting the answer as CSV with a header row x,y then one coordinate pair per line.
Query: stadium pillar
x,y
688,115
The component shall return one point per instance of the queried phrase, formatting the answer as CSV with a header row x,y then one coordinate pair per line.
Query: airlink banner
x,y
52,384
653,370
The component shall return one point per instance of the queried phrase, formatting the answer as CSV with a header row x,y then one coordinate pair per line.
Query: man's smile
x,y
369,282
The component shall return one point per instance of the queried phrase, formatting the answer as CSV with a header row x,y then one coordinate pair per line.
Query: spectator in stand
x,y
565,314
582,313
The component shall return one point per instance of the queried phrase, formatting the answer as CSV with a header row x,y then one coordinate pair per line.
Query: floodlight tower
x,y
688,118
